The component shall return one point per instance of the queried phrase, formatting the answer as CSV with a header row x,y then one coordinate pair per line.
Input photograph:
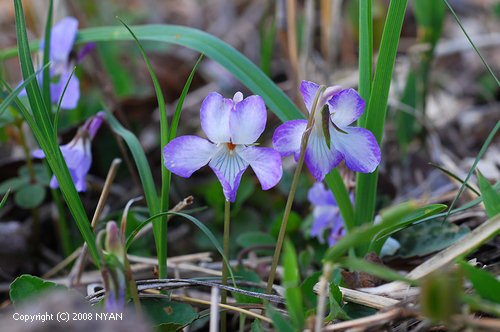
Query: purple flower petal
x,y
318,195
186,154
38,153
53,182
265,162
308,90
323,218
337,231
214,116
359,148
319,159
78,158
346,107
72,94
248,120
87,48
287,137
228,166
62,38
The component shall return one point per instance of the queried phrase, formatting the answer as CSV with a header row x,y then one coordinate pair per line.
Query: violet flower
x,y
62,38
77,153
232,127
326,214
357,146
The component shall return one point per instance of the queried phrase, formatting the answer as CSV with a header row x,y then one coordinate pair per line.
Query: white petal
x,y
214,116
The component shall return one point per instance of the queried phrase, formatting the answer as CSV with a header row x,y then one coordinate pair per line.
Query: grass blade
x,y
365,52
56,116
44,133
472,43
476,161
195,221
140,161
454,176
337,186
13,94
491,197
4,199
377,107
46,56
178,108
159,226
242,68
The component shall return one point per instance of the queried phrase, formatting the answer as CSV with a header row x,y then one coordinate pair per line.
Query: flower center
x,y
231,146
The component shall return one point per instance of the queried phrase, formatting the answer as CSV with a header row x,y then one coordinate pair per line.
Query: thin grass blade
x,y
46,56
44,133
13,94
377,108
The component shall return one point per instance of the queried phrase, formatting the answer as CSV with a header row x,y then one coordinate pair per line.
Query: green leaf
x,y
160,226
163,311
4,199
43,131
257,326
27,286
439,295
425,238
291,279
242,68
178,108
14,184
447,172
484,283
307,288
335,300
377,107
140,161
279,322
472,43
365,50
337,186
30,196
13,94
420,214
404,213
252,239
491,197
46,56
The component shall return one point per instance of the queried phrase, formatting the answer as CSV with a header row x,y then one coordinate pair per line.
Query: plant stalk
x,y
227,217
293,189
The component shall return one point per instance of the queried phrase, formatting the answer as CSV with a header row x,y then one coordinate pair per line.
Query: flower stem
x,y
293,189
227,217
31,172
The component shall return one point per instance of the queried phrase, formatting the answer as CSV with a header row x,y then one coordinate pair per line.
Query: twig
x,y
373,320
76,271
147,284
61,265
214,310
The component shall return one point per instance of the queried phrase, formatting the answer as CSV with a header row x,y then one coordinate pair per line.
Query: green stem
x,y
61,223
227,217
293,189
31,172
